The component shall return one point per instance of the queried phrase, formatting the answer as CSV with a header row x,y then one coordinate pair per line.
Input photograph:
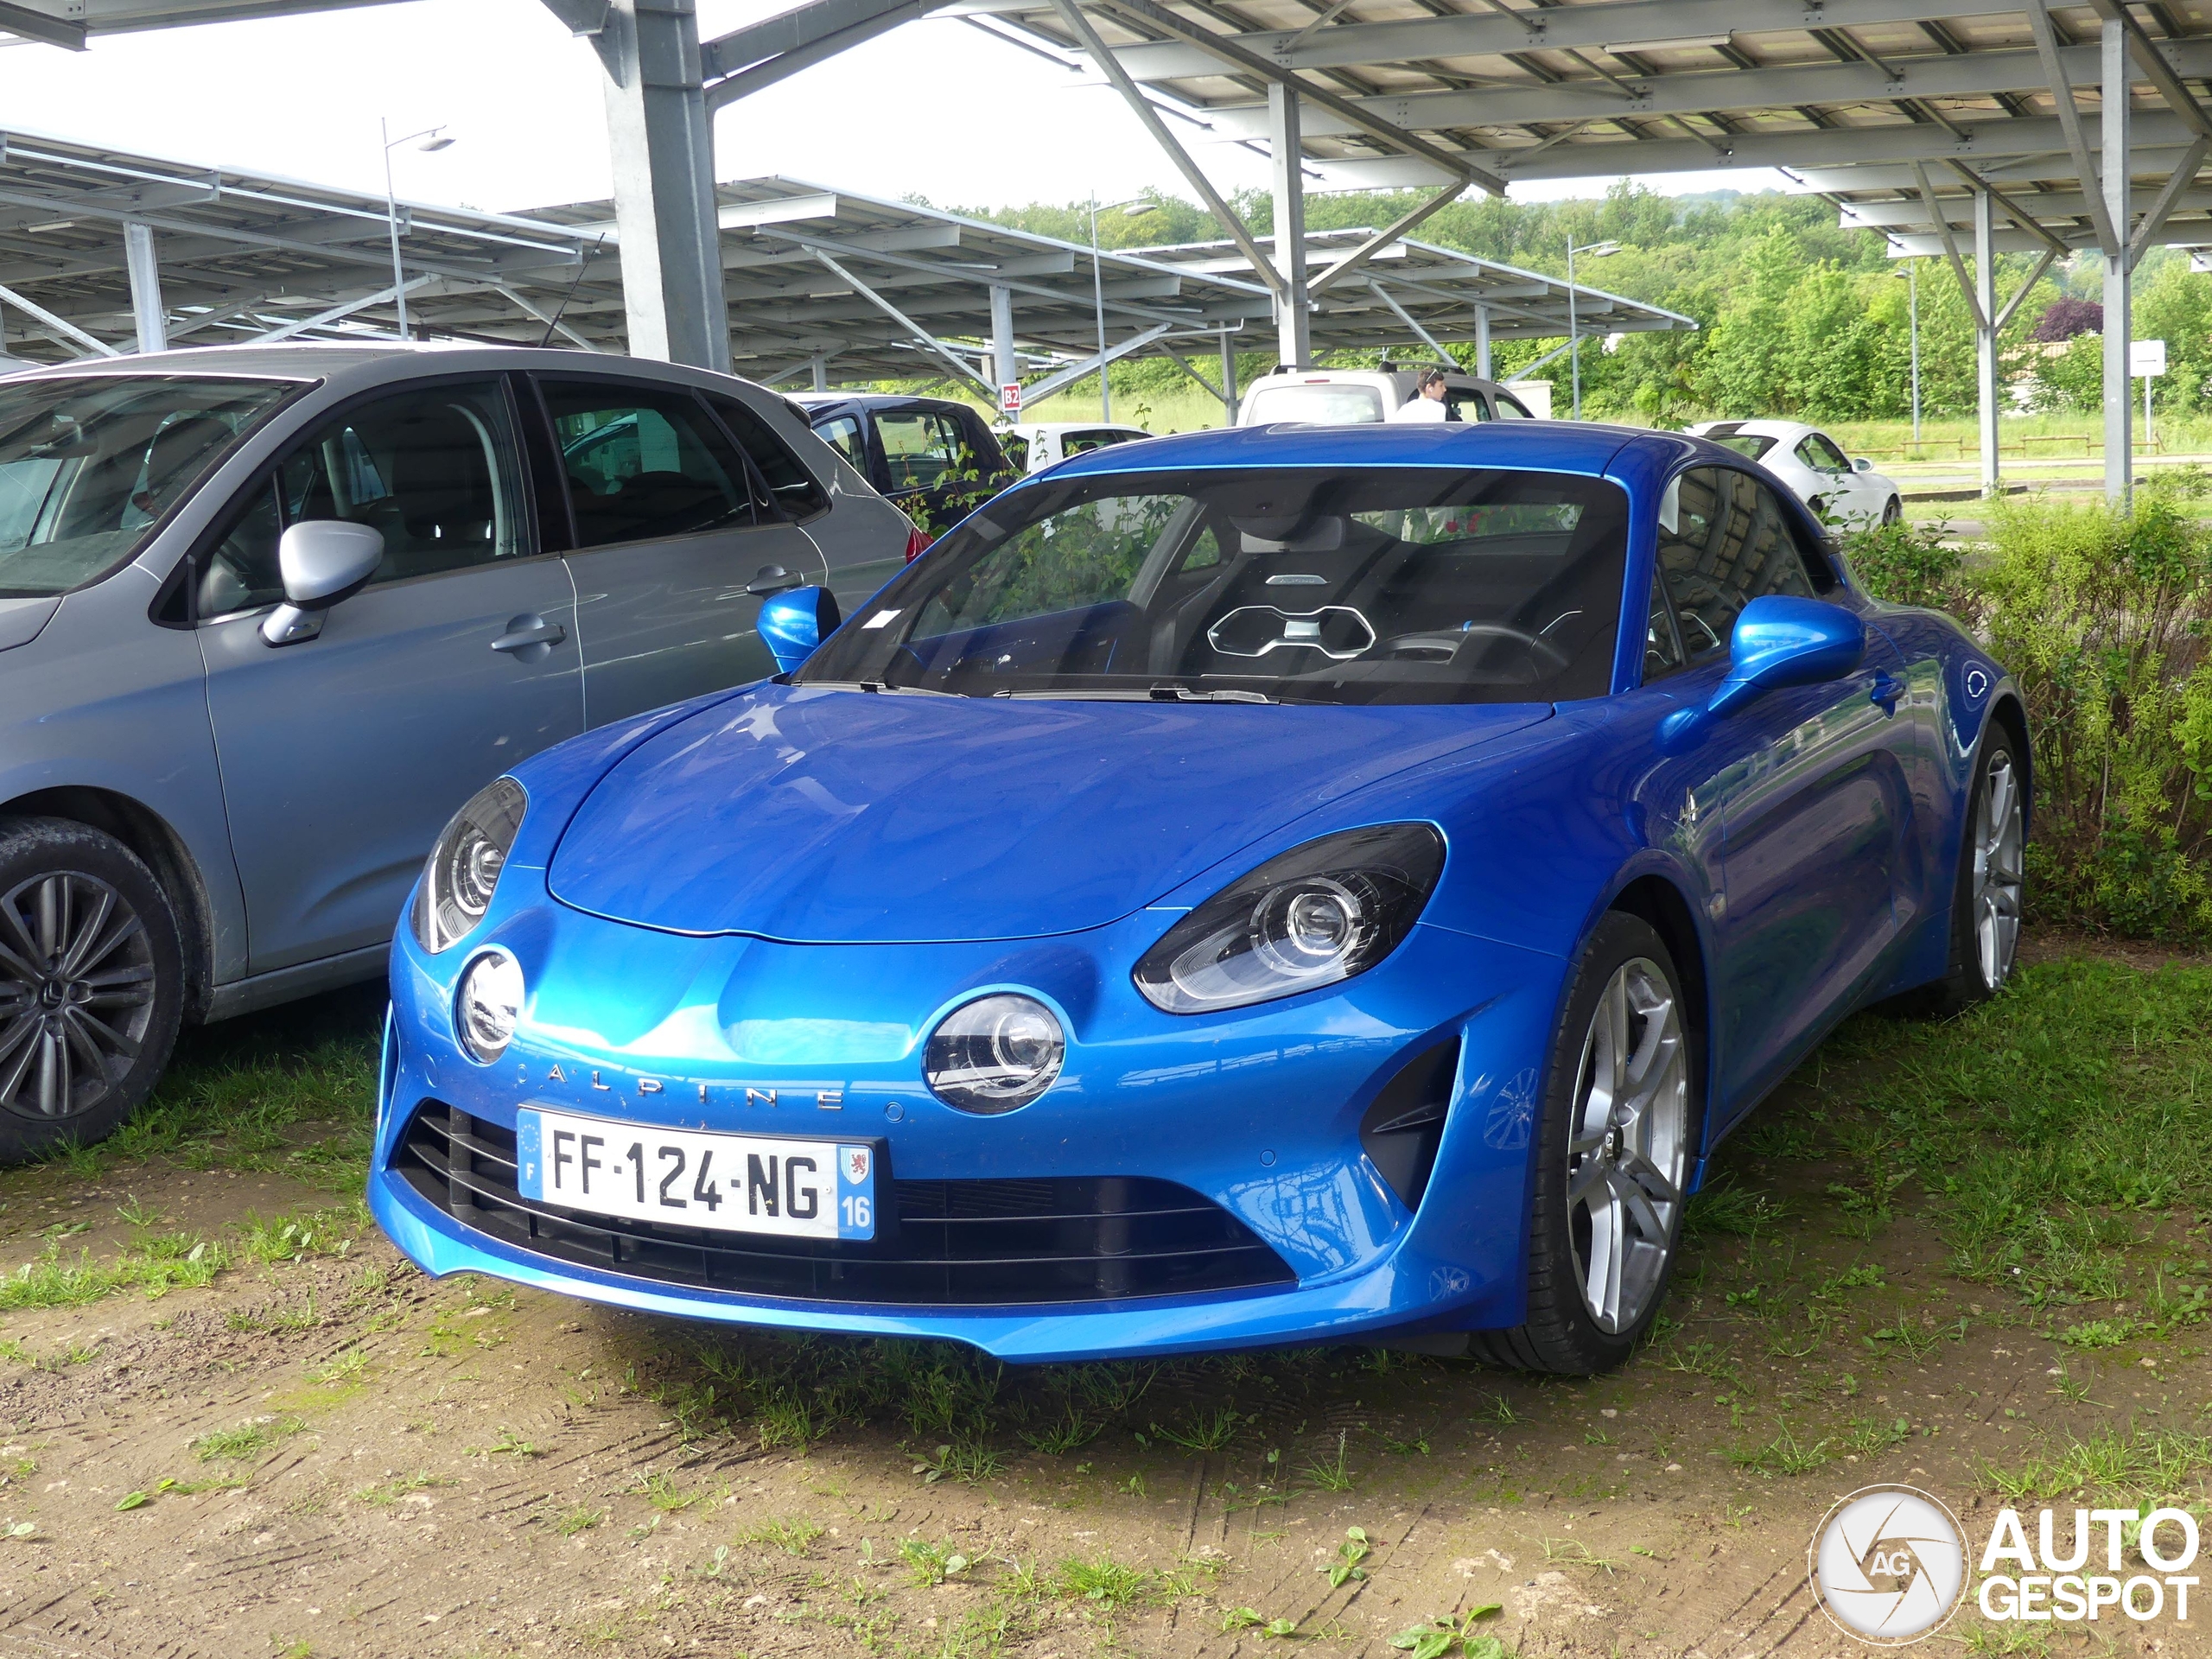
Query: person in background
x,y
1427,401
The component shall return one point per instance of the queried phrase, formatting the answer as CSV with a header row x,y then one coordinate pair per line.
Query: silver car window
x,y
89,466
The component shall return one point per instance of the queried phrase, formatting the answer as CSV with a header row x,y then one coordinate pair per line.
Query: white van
x,y
1363,397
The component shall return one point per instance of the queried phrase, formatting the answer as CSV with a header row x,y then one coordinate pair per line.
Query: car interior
x,y
1497,587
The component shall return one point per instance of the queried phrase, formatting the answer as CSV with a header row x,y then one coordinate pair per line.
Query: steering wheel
x,y
1448,642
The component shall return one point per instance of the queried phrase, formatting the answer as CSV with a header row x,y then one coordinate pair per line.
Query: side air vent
x,y
1401,1131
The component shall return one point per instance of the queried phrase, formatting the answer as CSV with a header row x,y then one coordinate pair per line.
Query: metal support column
x,y
1228,379
818,366
1985,296
1482,342
145,275
2119,408
661,142
1004,370
1294,314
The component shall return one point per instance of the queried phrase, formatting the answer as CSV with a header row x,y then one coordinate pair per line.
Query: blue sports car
x,y
1273,886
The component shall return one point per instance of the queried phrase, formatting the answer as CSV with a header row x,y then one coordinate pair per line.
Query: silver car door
x,y
669,535
342,756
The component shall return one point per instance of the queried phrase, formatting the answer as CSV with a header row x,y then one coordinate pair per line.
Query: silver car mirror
x,y
323,560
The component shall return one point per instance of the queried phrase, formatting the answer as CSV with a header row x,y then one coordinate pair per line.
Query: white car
x,y
1360,397
1035,445
1812,464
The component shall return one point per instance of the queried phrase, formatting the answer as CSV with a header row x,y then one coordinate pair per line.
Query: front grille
x,y
1062,1239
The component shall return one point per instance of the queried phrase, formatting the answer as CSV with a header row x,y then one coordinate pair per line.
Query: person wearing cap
x,y
1427,401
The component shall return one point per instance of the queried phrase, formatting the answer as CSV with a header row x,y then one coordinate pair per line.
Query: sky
x,y
935,108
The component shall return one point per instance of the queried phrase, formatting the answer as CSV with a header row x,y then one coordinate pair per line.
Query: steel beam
x,y
921,336
1005,369
748,60
385,295
1387,237
1293,304
68,331
29,23
661,141
145,277
2118,398
2070,120
1061,378
1984,305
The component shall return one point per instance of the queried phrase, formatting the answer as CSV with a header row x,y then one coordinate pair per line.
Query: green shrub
x,y
2102,617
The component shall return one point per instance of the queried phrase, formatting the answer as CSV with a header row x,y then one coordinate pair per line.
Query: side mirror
x,y
773,579
323,560
1860,464
1778,641
792,624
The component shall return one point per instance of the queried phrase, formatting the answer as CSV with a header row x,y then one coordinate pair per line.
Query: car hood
x,y
832,817
21,619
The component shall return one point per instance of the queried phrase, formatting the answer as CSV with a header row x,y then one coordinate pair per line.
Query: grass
x,y
2145,1468
249,1442
793,1537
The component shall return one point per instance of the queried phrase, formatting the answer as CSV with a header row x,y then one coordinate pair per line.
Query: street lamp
x,y
433,138
1130,209
1912,275
1588,250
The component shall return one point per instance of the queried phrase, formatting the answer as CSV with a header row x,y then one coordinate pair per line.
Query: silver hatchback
x,y
269,615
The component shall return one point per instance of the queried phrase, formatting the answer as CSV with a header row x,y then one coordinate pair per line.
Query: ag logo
x,y
1889,1565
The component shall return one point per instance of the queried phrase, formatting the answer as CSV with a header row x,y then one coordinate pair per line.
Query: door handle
x,y
1887,691
527,631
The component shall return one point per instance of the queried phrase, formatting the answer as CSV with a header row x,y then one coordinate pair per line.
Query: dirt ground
x,y
325,1453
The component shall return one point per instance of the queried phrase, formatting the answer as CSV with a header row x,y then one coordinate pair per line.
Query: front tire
x,y
1893,511
92,985
1611,1155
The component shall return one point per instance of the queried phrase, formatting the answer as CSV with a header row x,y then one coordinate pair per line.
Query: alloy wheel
x,y
76,994
2000,854
1628,1145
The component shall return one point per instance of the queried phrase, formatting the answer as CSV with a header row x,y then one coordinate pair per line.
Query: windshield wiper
x,y
1150,694
884,688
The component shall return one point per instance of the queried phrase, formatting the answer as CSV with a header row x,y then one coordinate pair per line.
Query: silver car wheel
x,y
76,994
1628,1145
2000,866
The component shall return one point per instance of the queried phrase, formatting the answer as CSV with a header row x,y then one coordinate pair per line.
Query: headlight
x,y
994,1054
487,1005
464,869
1315,915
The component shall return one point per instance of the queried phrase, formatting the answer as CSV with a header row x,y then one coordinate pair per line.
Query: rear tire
x,y
1893,511
1611,1155
1986,902
92,985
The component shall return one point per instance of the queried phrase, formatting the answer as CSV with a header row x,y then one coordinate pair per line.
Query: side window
x,y
1724,542
1464,405
921,449
1820,455
433,470
1017,449
843,435
643,462
1509,410
1662,649
791,486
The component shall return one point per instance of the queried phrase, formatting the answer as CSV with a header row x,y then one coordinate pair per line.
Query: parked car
x,y
1812,464
935,458
268,615
1247,887
1031,446
1358,397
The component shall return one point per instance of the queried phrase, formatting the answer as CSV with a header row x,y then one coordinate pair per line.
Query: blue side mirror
x,y
792,624
1779,641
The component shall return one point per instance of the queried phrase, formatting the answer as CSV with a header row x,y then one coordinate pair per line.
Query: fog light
x,y
487,1006
994,1054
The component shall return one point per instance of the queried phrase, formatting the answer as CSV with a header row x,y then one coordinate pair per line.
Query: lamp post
x,y
433,138
1588,250
1912,275
1131,208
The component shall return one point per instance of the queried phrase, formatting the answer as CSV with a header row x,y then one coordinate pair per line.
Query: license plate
x,y
695,1177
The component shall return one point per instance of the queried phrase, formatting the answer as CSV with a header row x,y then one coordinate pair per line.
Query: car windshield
x,y
88,465
1314,585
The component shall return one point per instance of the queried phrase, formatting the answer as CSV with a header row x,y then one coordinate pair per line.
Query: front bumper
x,y
1257,1111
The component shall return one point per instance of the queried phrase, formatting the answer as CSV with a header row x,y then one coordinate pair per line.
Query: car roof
x,y
368,363
1074,426
817,403
1562,446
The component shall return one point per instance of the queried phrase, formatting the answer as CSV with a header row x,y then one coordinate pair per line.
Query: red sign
x,y
1010,397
